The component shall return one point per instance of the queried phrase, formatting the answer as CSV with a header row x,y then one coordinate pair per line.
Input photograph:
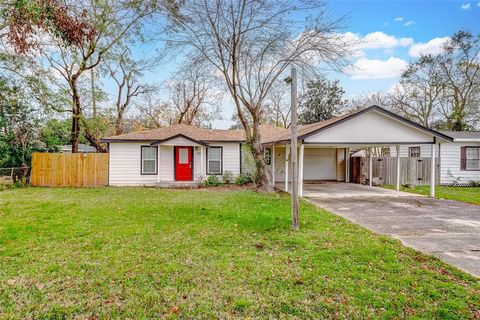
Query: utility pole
x,y
292,80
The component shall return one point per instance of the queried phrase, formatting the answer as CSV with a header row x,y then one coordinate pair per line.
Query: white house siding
x,y
371,127
450,162
166,168
124,165
230,156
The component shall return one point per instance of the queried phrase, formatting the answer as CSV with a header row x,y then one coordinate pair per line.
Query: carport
x,y
324,148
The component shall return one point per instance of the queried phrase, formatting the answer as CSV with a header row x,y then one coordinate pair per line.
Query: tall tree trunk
x,y
94,141
76,113
94,100
256,147
119,122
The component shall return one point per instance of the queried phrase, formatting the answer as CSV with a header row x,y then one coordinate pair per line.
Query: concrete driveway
x,y
446,229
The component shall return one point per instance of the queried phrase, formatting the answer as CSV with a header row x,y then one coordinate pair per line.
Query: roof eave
x,y
158,142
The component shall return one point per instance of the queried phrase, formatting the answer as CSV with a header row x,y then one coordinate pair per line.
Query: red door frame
x,y
176,159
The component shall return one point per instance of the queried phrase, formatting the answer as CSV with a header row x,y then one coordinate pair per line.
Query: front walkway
x,y
449,230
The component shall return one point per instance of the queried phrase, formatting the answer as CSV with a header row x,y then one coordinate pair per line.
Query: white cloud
x,y
377,69
398,19
380,40
409,23
433,47
465,6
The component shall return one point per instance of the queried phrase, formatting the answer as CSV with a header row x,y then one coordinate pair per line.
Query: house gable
x,y
371,127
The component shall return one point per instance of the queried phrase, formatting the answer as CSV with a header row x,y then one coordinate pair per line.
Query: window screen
x,y
473,158
214,161
149,160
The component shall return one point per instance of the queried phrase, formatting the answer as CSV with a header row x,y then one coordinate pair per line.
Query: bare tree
x,y
251,43
154,113
460,68
418,94
378,98
194,95
126,73
277,106
67,67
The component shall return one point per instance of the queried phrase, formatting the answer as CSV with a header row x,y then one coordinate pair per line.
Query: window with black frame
x,y
267,155
148,160
414,152
214,160
472,158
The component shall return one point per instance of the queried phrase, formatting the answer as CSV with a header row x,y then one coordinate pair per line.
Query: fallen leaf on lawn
x,y
11,282
259,245
175,309
299,280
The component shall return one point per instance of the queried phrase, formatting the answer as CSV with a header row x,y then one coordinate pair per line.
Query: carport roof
x,y
305,131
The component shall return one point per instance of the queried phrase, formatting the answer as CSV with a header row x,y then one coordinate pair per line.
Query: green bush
x,y
212,181
227,177
243,179
474,183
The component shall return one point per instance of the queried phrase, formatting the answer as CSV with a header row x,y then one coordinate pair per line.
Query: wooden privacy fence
x,y
69,169
413,170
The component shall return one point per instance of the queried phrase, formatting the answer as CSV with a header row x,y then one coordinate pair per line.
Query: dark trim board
x,y
367,143
179,136
124,140
141,160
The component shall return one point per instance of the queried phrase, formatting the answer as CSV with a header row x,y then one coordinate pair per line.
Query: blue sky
x,y
395,33
421,24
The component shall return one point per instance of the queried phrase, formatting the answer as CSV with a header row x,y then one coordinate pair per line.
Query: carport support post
x,y
272,161
158,164
300,171
347,164
397,185
201,162
370,167
287,156
432,171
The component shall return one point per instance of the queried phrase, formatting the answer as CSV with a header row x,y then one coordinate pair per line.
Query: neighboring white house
x,y
459,159
184,154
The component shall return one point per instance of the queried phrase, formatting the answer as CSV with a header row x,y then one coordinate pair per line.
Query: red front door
x,y
183,163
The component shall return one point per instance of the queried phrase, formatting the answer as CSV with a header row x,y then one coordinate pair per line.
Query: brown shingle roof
x,y
305,129
463,134
194,133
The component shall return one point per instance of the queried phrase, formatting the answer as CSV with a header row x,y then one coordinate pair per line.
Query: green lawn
x,y
150,253
464,194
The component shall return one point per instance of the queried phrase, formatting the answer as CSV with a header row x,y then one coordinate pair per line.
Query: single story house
x,y
459,160
186,155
